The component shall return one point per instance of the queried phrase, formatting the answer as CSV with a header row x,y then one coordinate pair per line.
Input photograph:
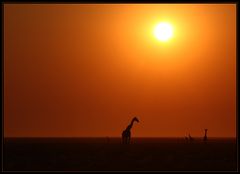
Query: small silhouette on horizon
x,y
190,138
205,136
126,134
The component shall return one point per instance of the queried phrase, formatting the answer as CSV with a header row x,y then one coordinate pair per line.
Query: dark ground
x,y
97,154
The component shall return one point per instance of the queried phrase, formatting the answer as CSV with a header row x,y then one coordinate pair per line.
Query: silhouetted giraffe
x,y
126,134
205,136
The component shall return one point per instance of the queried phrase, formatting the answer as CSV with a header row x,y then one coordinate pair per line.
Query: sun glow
x,y
163,31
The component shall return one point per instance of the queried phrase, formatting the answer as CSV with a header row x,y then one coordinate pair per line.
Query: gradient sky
x,y
86,70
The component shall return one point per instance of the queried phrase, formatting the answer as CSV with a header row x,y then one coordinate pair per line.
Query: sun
x,y
163,31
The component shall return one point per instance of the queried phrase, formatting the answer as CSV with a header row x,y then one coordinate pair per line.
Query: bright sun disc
x,y
163,31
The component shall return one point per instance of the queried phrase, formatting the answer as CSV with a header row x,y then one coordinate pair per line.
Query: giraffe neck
x,y
130,125
132,122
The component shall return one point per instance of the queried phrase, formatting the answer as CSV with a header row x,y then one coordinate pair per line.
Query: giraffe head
x,y
136,119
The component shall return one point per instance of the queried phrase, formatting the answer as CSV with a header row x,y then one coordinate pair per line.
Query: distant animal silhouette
x,y
205,136
190,138
126,134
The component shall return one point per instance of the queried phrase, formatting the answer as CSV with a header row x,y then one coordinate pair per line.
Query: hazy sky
x,y
86,70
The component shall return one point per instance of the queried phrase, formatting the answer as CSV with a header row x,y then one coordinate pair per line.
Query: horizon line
x,y
114,137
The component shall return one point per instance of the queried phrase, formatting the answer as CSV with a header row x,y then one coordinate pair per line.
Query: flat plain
x,y
108,154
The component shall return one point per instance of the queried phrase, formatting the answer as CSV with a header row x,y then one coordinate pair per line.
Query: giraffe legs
x,y
126,140
123,140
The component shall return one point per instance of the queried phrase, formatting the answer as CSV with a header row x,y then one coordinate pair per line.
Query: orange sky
x,y
86,70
